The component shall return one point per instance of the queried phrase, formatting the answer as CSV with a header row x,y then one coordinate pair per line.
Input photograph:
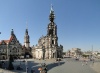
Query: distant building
x,y
88,54
48,43
74,52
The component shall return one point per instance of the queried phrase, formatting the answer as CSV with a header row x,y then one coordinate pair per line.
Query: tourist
x,y
86,62
82,64
32,70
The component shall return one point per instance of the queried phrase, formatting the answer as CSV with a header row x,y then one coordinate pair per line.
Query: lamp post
x,y
43,50
56,51
69,53
26,65
48,52
7,50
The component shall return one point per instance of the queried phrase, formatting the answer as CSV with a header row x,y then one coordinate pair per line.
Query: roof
x,y
7,41
11,38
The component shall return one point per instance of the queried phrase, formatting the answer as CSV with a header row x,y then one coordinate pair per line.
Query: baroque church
x,y
47,47
48,44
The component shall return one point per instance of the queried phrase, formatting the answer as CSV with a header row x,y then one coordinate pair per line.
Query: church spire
x,y
12,32
51,9
26,38
26,28
52,15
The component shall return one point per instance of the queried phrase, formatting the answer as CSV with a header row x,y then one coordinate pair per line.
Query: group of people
x,y
32,70
86,62
42,69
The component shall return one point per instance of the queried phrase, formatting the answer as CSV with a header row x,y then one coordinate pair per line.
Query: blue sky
x,y
78,21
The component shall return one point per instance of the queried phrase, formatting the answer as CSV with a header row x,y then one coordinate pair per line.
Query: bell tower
x,y
52,28
26,39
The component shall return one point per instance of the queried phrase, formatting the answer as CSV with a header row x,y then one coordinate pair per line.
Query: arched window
x,y
52,41
51,32
14,49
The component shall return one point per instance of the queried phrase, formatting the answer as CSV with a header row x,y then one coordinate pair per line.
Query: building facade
x,y
11,47
48,45
26,45
74,52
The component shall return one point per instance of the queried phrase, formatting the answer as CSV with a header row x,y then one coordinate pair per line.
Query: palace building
x,y
11,47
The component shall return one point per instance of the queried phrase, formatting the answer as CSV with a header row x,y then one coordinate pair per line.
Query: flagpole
x,y
92,51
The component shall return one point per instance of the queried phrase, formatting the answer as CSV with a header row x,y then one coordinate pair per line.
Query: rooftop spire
x,y
51,10
26,28
26,25
52,15
12,32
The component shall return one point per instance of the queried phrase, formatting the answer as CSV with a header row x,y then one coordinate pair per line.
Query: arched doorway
x,y
3,58
53,55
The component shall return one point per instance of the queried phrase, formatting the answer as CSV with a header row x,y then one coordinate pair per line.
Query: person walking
x,y
82,64
86,62
27,70
32,70
93,62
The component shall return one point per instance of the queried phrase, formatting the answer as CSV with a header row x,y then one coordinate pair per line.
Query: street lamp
x,y
69,53
48,52
43,50
26,65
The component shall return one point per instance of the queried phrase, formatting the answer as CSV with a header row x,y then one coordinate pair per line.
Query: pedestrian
x,y
27,69
86,62
32,71
82,64
93,62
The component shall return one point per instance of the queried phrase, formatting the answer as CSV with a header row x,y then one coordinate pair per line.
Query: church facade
x,y
48,45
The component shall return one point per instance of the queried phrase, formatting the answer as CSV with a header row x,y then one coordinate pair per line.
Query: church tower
x,y
52,29
26,39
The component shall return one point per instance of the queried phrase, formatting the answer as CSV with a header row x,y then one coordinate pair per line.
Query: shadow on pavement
x,y
52,65
49,66
23,66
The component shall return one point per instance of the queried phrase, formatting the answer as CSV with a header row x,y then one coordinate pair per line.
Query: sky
x,y
78,21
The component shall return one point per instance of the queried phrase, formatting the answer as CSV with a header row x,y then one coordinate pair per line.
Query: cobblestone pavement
x,y
71,66
66,66
96,67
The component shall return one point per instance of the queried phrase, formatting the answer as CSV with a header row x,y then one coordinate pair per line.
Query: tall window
x,y
52,41
51,32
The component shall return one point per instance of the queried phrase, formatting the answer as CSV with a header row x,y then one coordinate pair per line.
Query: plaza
x,y
67,65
